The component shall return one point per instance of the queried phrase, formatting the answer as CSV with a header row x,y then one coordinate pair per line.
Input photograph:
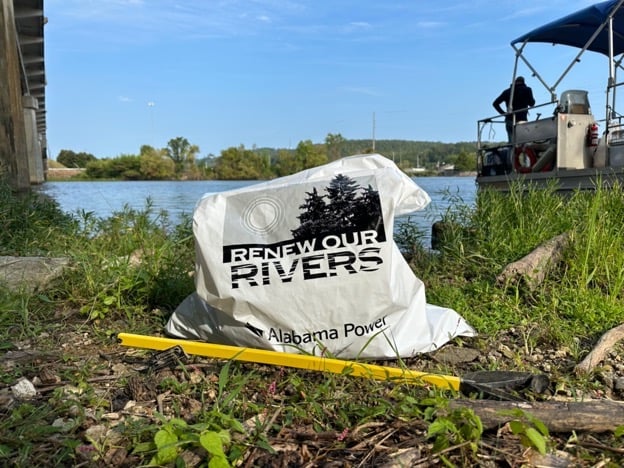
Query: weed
x,y
532,432
132,269
461,428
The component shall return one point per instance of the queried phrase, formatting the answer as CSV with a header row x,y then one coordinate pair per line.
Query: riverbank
x,y
63,173
95,401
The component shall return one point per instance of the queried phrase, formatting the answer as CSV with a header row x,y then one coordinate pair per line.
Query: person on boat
x,y
522,100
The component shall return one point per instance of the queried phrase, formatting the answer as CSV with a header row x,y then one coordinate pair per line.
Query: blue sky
x,y
221,73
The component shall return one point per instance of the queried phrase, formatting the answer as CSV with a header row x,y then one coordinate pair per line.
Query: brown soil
x,y
126,389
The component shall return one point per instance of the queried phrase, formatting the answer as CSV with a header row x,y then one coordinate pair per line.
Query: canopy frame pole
x,y
611,85
534,72
510,109
575,60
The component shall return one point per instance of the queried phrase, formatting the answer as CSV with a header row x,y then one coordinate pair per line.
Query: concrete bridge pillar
x,y
33,145
13,151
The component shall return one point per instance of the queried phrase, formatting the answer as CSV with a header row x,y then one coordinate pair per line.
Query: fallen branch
x,y
558,416
604,345
533,267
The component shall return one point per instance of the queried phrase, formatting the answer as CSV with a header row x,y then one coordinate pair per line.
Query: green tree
x,y
182,153
69,158
98,169
466,161
155,164
305,156
125,166
333,146
309,155
239,164
286,163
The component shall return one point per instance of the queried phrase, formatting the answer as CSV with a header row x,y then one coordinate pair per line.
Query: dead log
x,y
597,355
559,416
533,267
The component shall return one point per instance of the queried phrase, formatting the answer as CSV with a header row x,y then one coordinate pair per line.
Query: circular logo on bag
x,y
262,215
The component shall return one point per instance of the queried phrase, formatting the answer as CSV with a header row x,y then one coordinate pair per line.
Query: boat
x,y
571,148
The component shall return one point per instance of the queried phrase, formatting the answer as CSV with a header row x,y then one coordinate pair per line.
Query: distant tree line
x,y
180,160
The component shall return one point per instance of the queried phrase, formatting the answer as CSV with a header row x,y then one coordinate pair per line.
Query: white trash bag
x,y
307,263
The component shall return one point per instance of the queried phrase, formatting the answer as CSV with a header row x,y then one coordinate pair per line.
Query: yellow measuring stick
x,y
300,361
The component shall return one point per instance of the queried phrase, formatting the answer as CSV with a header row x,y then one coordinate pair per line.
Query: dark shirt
x,y
523,98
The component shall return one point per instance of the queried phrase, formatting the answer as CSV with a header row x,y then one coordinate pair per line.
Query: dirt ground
x,y
125,385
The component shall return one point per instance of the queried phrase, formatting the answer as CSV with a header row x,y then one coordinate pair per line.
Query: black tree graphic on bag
x,y
347,207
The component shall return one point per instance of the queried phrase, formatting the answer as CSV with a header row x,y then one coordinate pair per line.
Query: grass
x,y
132,269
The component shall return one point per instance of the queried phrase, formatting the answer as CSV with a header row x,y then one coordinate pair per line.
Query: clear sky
x,y
221,73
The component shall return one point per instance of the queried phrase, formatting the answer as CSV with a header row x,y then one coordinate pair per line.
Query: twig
x,y
102,378
385,436
596,445
433,456
604,345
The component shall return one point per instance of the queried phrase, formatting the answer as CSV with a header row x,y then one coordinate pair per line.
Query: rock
x,y
29,274
24,390
101,435
619,384
455,355
64,425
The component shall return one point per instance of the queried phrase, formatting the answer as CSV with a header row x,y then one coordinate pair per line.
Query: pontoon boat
x,y
571,147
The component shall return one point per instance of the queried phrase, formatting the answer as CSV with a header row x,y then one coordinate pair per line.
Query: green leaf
x,y
264,444
211,441
516,427
143,447
237,426
164,437
537,439
219,462
164,455
540,426
224,435
436,427
109,300
167,449
178,422
223,377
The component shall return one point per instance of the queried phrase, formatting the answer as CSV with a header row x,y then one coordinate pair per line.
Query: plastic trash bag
x,y
307,263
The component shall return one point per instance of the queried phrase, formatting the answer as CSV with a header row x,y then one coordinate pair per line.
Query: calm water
x,y
105,198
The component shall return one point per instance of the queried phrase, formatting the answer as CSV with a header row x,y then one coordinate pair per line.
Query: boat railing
x,y
499,120
494,154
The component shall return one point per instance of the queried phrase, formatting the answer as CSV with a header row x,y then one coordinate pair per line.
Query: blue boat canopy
x,y
577,29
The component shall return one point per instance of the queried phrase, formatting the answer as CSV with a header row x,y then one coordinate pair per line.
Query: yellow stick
x,y
300,361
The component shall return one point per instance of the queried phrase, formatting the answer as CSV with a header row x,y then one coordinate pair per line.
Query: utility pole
x,y
151,105
373,132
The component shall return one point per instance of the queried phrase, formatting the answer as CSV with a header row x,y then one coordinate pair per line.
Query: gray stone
x,y
30,274
455,355
619,384
24,389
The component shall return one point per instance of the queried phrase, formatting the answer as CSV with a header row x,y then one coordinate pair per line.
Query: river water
x,y
103,198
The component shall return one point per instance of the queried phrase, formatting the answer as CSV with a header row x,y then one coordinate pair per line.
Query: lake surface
x,y
103,198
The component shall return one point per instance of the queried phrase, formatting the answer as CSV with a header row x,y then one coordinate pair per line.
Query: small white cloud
x,y
360,24
124,99
430,24
264,19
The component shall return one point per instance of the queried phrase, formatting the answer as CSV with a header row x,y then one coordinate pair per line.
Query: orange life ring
x,y
524,159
